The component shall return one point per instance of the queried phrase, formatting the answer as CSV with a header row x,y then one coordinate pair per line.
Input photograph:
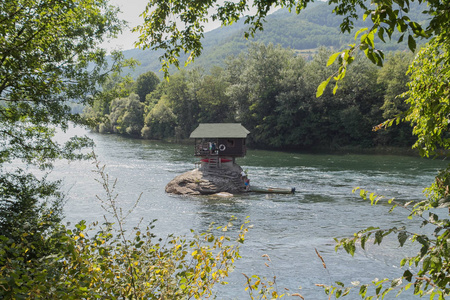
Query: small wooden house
x,y
218,144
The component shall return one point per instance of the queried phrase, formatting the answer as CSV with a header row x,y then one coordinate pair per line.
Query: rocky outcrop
x,y
207,181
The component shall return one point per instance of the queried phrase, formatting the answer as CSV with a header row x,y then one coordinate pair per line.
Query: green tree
x,y
29,208
46,49
215,106
114,87
145,84
160,122
256,88
359,100
393,78
293,107
127,115
183,103
49,57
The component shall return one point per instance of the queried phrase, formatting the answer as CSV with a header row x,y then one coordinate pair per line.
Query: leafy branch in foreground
x,y
178,26
176,267
265,288
425,272
106,262
428,272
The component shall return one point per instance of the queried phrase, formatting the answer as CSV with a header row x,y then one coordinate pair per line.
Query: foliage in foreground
x,y
427,272
101,261
46,48
97,262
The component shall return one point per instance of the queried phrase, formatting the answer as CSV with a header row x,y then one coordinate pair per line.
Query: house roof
x,y
220,130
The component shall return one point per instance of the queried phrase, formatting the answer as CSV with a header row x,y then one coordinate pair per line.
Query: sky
x,y
131,9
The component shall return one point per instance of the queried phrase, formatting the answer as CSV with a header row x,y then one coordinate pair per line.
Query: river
x,y
288,228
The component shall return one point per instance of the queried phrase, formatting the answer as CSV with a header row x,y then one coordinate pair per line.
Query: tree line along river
x,y
288,228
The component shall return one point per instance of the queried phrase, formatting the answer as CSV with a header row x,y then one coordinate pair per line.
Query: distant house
x,y
219,143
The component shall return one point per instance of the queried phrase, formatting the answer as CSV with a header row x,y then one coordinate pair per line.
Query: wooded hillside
x,y
305,33
270,90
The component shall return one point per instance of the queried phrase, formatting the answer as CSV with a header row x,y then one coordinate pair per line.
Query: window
x,y
230,143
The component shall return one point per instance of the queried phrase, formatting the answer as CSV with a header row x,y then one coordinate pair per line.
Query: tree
x,y
114,87
127,115
46,49
293,107
160,122
29,205
183,104
215,105
256,87
359,98
428,97
393,78
145,84
49,57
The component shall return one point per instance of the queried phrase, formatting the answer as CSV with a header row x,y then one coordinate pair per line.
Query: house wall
x,y
233,147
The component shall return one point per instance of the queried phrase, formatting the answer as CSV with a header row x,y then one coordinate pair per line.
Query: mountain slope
x,y
315,27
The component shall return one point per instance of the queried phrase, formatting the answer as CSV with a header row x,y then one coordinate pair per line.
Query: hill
x,y
315,27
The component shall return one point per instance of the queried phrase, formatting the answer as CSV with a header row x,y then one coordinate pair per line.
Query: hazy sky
x,y
131,9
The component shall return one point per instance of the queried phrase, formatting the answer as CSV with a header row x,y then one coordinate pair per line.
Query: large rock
x,y
206,182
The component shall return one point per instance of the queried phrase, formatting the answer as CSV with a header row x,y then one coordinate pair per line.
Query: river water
x,y
288,228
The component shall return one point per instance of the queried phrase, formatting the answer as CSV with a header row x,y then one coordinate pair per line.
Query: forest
x,y
270,90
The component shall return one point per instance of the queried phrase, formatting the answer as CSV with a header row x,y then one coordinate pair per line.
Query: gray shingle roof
x,y
220,130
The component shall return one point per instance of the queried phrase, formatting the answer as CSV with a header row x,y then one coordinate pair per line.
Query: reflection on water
x,y
286,227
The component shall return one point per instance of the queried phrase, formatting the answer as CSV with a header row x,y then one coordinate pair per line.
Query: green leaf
x,y
340,283
363,241
411,43
378,289
401,26
402,237
417,29
370,55
359,32
363,291
333,58
378,237
335,88
381,34
321,87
